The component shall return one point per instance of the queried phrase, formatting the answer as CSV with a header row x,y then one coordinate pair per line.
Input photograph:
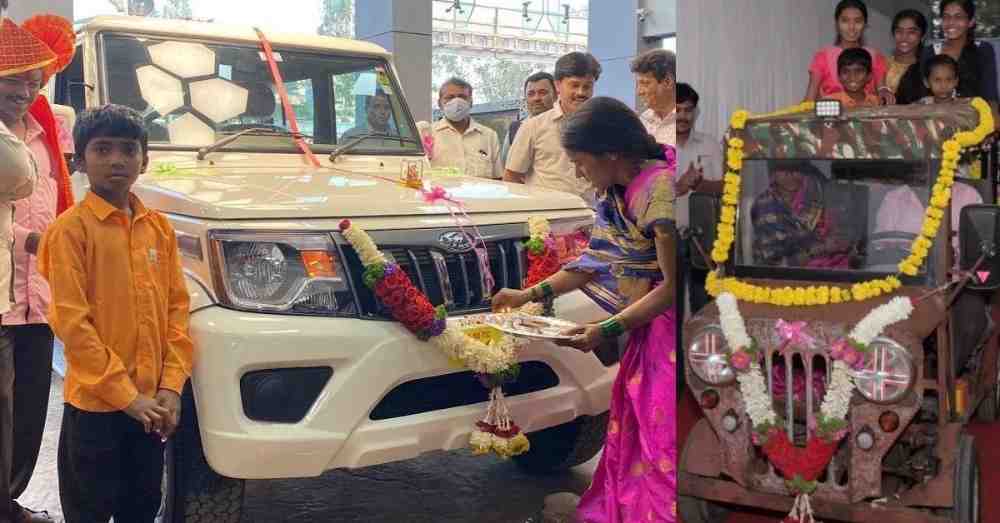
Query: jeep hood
x,y
248,192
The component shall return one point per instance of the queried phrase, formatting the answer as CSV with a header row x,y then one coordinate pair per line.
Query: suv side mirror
x,y
979,227
704,210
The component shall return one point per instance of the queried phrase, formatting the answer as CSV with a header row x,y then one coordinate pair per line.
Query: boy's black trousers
x,y
108,466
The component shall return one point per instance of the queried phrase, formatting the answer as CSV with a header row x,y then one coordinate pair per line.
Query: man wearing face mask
x,y
460,141
537,156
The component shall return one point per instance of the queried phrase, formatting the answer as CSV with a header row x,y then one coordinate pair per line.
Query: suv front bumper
x,y
369,359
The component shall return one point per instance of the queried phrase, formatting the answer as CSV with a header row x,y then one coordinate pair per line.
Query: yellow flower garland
x,y
822,295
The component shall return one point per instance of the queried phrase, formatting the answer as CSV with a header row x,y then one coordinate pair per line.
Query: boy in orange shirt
x,y
120,306
854,68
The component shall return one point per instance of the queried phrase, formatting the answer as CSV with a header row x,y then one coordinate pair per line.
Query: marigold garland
x,y
483,350
822,295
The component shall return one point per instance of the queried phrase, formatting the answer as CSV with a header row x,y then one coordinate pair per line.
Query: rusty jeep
x,y
853,188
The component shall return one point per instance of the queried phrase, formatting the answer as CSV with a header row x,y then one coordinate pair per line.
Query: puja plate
x,y
530,327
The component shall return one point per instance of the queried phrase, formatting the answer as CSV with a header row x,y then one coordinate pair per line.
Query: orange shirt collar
x,y
102,209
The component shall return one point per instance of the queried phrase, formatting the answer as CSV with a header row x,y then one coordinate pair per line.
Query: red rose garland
x,y
543,258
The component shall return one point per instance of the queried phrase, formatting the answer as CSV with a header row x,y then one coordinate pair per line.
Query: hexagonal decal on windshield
x,y
190,130
184,59
162,91
219,99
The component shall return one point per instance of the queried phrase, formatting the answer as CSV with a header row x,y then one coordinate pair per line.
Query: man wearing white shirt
x,y
656,78
699,158
460,141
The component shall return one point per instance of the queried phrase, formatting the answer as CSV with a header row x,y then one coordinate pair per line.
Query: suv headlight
x,y
707,355
888,372
290,272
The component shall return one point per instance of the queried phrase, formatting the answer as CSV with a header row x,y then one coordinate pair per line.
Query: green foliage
x,y
338,18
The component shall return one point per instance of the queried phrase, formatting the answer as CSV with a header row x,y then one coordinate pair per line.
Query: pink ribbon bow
x,y
793,333
437,195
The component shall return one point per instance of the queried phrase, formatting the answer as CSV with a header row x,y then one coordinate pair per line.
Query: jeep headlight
x,y
887,374
296,273
708,356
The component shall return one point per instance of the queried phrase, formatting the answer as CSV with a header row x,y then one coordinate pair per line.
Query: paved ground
x,y
438,487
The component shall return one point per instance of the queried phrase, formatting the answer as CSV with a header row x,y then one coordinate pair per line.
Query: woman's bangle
x,y
544,289
612,328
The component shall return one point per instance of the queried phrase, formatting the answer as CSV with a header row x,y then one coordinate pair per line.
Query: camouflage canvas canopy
x,y
904,132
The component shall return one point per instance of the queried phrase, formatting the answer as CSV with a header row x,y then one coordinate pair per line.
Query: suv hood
x,y
263,192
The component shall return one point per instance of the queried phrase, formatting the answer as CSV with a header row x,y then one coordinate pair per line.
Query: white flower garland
x,y
837,400
538,228
753,388
872,325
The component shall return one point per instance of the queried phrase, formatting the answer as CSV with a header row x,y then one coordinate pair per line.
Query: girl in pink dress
x,y
852,18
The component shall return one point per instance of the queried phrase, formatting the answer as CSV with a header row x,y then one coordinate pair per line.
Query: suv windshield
x,y
194,93
846,218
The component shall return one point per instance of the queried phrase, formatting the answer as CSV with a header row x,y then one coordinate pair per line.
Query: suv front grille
x,y
449,279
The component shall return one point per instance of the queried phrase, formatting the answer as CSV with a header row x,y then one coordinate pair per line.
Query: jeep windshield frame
x,y
334,96
835,187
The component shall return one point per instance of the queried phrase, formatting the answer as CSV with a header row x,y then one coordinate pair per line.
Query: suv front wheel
x,y
564,446
192,491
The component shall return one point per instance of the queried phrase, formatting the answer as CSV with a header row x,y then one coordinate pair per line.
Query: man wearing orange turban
x,y
30,55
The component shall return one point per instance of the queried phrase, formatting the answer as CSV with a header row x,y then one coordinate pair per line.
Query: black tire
x,y
966,509
697,510
564,446
192,491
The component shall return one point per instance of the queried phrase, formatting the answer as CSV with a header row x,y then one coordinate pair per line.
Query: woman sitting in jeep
x,y
791,225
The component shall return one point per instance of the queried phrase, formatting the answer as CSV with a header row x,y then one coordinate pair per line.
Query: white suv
x,y
298,373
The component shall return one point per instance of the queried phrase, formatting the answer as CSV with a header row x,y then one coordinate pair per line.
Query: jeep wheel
x,y
966,483
192,491
564,446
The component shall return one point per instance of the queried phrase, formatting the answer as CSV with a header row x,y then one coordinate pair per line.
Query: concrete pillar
x,y
404,28
615,48
20,10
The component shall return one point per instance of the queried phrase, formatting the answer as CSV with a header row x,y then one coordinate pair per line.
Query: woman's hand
x,y
509,299
886,96
584,338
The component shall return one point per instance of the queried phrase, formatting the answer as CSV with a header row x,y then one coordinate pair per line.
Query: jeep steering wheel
x,y
888,256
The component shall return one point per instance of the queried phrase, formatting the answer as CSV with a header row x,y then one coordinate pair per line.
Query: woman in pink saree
x,y
629,270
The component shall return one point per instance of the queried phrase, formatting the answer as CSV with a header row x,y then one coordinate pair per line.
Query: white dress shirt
x,y
700,149
476,151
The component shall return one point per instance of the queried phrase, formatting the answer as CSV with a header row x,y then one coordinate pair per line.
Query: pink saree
x,y
636,479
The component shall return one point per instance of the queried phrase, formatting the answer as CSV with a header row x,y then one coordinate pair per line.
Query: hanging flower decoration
x,y
822,295
543,257
482,349
428,142
802,466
